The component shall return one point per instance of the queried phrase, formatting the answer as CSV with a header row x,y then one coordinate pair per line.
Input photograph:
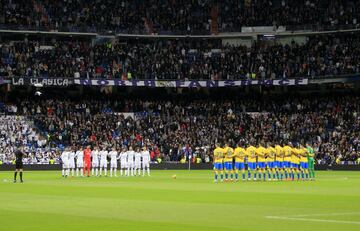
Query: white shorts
x,y
65,164
80,164
95,164
113,164
145,165
137,164
123,165
103,164
71,164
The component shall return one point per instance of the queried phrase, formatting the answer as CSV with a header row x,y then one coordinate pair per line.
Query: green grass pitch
x,y
47,201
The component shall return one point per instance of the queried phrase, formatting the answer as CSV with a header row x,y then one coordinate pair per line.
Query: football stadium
x,y
179,115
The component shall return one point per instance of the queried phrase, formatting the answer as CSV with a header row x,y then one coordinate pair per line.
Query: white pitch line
x,y
325,214
315,220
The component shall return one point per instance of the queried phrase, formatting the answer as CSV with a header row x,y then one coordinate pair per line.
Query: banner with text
x,y
189,83
39,82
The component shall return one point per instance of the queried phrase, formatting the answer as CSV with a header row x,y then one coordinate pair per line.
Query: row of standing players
x,y
131,162
265,161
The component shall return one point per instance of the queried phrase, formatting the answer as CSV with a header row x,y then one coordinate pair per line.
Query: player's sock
x,y
236,176
111,171
100,172
92,171
286,174
21,174
269,174
302,174
216,175
105,171
72,172
226,176
148,171
249,175
243,175
264,175
221,176
15,174
63,172
115,170
298,174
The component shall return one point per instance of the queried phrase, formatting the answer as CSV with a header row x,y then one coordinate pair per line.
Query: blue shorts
x,y
279,164
293,165
304,165
239,165
261,165
228,165
252,165
218,166
271,164
287,164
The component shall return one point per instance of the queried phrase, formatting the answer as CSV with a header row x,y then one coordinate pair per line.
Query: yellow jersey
x,y
228,154
279,153
251,154
239,154
303,155
295,156
287,153
271,154
218,155
261,153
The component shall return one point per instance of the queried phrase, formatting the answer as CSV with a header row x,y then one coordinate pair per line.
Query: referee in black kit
x,y
19,154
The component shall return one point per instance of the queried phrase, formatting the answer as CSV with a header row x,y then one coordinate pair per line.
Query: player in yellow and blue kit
x,y
218,162
240,154
251,161
295,162
279,162
287,160
261,165
270,162
304,167
228,162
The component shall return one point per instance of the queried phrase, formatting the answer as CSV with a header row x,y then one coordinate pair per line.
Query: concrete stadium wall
x,y
170,166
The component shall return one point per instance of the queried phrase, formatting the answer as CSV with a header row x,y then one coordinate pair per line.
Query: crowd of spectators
x,y
182,59
330,124
175,16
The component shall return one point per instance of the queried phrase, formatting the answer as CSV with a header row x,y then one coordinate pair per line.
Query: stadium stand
x,y
329,123
321,55
177,17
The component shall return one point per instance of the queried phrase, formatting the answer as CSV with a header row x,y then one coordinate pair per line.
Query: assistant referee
x,y
19,154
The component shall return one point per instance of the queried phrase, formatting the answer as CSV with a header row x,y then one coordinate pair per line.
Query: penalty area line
x,y
314,220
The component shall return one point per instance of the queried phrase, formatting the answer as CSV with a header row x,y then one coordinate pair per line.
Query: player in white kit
x,y
145,154
123,161
103,161
65,163
137,163
113,161
95,161
130,162
71,162
79,161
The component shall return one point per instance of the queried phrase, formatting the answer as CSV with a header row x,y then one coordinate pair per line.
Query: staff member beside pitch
x,y
19,154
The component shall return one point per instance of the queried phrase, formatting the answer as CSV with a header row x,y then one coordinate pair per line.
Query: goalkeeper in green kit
x,y
311,161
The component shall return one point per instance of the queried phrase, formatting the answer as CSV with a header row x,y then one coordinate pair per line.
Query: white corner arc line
x,y
315,220
324,214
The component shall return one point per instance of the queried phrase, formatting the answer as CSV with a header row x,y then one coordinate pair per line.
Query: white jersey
x,y
95,157
123,159
130,159
65,159
113,155
113,159
145,158
103,158
80,159
137,159
71,159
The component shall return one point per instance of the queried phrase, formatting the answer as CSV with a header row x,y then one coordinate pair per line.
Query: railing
x,y
192,32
